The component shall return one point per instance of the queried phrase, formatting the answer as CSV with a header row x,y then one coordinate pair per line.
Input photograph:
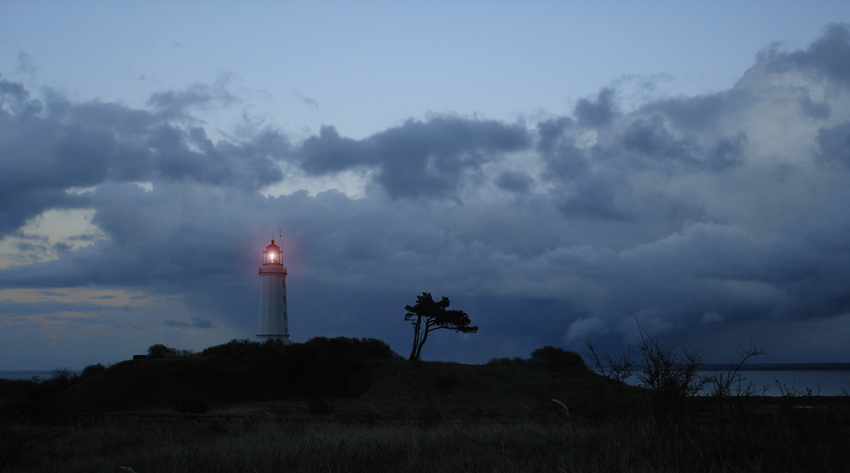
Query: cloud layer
x,y
709,218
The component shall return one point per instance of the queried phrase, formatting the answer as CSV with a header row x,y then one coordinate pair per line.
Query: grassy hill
x,y
382,389
340,377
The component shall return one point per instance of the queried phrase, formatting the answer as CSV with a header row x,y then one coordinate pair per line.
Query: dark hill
x,y
347,377
387,388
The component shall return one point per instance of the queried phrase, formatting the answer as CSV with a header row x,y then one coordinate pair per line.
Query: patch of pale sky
x,y
68,227
351,182
62,225
105,297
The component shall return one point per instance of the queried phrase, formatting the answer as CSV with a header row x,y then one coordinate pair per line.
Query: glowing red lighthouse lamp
x,y
273,320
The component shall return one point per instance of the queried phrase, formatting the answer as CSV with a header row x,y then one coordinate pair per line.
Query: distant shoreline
x,y
778,367
28,374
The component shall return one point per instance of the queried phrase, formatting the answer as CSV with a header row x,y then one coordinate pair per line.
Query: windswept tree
x,y
428,315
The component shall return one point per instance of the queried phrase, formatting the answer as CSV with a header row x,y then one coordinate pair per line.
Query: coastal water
x,y
15,374
821,382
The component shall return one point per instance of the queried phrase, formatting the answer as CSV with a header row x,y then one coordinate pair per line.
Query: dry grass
x,y
216,445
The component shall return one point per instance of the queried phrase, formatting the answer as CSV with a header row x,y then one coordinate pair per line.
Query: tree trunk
x,y
414,353
422,341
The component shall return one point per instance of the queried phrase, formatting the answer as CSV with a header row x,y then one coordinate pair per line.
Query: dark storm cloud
x,y
12,309
49,147
815,110
834,143
13,94
599,112
28,247
59,247
189,154
85,266
175,103
329,152
701,112
197,322
557,147
829,56
654,138
593,174
594,197
419,158
651,137
51,293
514,181
29,184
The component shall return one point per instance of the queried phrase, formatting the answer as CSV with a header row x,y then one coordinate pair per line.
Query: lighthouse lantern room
x,y
273,321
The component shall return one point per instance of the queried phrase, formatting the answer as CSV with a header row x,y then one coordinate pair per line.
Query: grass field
x,y
251,445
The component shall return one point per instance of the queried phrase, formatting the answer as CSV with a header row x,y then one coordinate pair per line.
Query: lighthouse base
x,y
274,336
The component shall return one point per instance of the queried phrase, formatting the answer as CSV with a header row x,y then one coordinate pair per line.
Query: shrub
x,y
669,374
63,376
320,367
503,361
236,349
161,351
556,359
92,370
671,377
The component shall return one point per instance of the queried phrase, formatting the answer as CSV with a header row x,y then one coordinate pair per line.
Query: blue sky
x,y
555,169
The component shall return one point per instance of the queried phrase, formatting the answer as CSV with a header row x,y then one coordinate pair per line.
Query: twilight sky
x,y
556,170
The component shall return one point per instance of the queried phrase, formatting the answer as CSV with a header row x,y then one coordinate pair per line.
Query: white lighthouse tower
x,y
274,322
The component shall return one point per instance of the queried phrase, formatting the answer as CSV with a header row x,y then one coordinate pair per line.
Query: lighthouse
x,y
273,320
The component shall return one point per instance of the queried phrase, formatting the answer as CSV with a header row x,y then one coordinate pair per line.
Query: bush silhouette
x,y
324,367
92,370
556,359
162,351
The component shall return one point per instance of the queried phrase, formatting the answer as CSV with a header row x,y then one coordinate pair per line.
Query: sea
x,y
42,374
823,379
821,383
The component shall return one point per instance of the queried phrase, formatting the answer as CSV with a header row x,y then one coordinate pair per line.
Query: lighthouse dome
x,y
272,247
272,255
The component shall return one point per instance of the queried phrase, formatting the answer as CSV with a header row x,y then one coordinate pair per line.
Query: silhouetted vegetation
x,y
92,370
62,376
557,359
324,367
162,351
427,316
544,413
547,358
675,389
